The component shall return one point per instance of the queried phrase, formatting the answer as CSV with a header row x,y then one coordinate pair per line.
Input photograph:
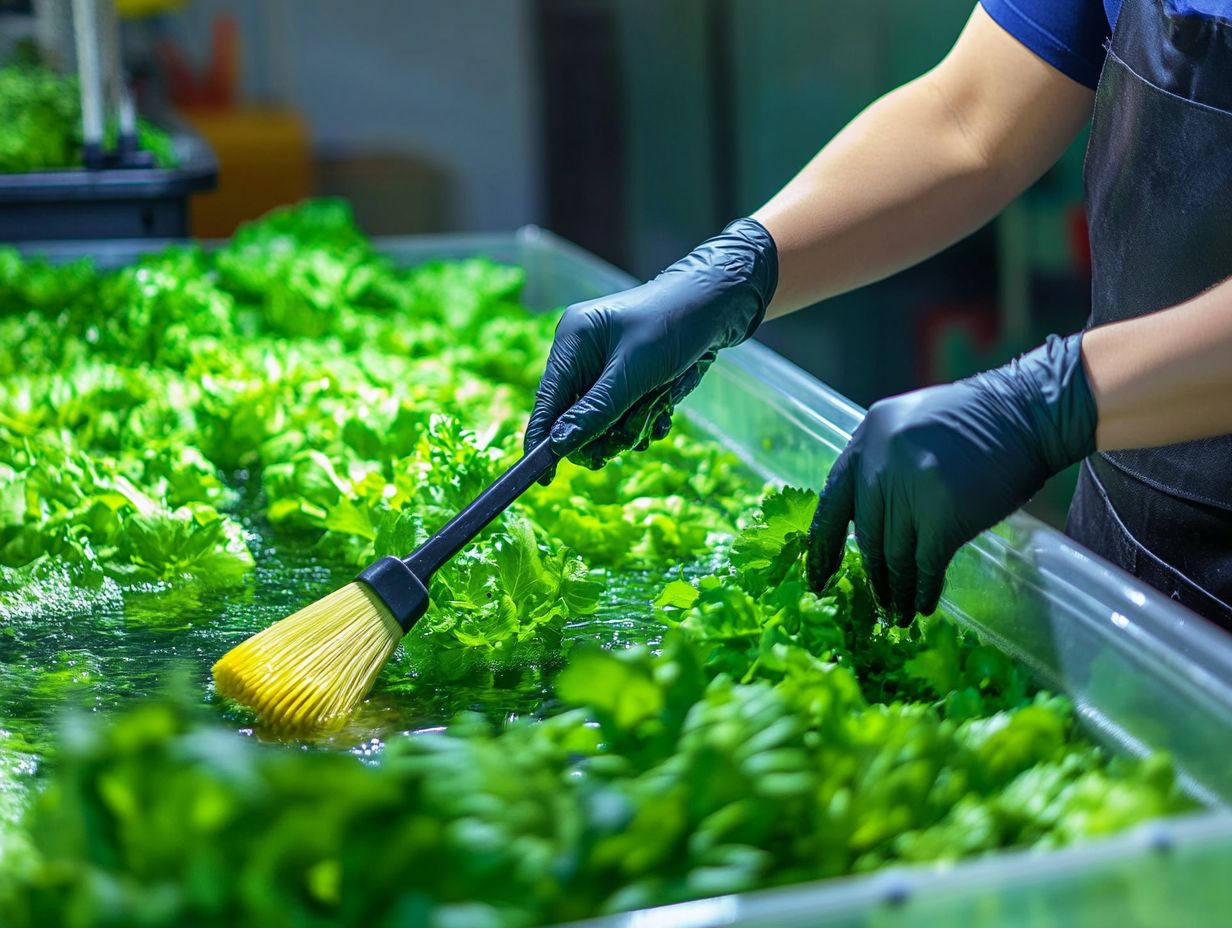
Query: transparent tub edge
x,y
966,891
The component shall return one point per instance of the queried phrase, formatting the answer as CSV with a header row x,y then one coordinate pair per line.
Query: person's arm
x,y
1166,377
927,471
922,167
916,171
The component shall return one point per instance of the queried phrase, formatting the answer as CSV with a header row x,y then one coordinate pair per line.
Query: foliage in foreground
x,y
745,753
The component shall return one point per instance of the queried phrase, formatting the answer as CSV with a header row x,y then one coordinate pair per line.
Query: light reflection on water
x,y
101,649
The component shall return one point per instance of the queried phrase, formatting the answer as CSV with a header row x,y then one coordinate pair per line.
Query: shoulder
x,y
1068,34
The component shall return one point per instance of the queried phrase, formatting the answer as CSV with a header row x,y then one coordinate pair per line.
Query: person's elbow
x,y
1010,115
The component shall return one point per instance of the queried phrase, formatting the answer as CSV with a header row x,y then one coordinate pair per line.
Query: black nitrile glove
x,y
621,363
927,471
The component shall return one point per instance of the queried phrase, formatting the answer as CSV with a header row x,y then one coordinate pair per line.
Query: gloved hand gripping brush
x,y
620,364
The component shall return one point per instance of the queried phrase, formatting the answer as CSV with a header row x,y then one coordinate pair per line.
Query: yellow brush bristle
x,y
311,670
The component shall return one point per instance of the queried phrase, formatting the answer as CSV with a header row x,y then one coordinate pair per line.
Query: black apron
x,y
1159,202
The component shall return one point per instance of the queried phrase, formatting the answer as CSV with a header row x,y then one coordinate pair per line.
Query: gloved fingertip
x,y
566,437
902,601
548,477
821,562
686,383
880,590
588,456
814,571
927,597
818,575
827,540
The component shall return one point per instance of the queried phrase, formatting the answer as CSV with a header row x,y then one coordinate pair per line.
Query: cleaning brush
x,y
312,668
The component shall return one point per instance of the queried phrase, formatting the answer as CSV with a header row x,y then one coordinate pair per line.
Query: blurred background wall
x,y
426,113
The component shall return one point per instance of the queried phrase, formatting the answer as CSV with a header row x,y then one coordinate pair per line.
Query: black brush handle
x,y
402,584
462,528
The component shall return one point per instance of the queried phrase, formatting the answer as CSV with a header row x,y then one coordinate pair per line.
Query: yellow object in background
x,y
135,9
263,161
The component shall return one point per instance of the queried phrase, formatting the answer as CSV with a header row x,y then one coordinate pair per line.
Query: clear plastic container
x,y
1144,673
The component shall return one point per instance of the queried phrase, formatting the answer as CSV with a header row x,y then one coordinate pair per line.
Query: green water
x,y
97,649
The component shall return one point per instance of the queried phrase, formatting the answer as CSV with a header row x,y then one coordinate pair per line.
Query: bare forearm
x,y
922,167
1166,377
895,186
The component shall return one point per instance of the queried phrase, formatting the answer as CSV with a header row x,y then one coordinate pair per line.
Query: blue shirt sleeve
x,y
1068,34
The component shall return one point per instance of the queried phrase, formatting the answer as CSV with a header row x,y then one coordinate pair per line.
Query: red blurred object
x,y
218,86
933,324
1079,238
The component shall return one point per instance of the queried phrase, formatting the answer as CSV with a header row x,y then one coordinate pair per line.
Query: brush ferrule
x,y
403,593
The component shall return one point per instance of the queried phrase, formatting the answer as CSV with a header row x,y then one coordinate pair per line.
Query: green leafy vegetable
x,y
40,113
765,552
